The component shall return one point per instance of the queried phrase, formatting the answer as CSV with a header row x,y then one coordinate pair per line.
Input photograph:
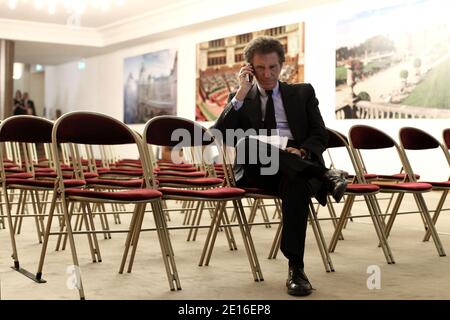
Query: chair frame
x,y
421,204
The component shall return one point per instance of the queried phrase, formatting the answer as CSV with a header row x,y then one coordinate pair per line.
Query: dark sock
x,y
296,262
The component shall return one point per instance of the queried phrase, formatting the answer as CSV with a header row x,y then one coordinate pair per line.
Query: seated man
x,y
292,109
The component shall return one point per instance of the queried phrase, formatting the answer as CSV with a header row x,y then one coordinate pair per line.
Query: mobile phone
x,y
249,76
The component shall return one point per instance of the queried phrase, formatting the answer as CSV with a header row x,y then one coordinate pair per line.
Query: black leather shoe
x,y
297,283
336,183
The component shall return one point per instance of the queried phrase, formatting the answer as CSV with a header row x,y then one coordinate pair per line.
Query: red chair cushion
x,y
406,186
442,184
134,183
397,176
367,176
127,164
124,172
182,169
258,191
23,175
44,183
9,165
90,175
191,182
128,195
40,169
362,188
215,193
197,174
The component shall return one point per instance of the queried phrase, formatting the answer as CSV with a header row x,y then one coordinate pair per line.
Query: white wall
x,y
100,86
33,83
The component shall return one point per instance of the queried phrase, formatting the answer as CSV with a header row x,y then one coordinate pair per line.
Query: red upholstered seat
x,y
367,176
44,183
23,175
172,168
441,184
134,183
258,191
191,182
44,169
52,175
130,160
215,193
127,164
406,186
197,174
171,164
9,165
14,170
90,175
175,165
397,176
128,195
124,172
362,188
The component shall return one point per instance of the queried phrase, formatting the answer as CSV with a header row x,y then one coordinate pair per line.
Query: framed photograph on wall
x,y
219,61
394,62
150,86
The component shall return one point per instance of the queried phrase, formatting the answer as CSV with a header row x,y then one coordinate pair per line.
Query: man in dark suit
x,y
292,110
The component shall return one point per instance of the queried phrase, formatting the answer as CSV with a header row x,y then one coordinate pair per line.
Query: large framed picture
x,y
394,62
219,61
150,86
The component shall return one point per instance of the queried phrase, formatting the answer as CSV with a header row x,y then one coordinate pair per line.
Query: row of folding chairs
x,y
77,193
362,141
147,182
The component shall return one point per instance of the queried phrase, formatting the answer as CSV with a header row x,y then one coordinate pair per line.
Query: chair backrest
x,y
416,139
89,128
28,129
84,127
366,137
336,139
25,131
176,131
446,136
363,137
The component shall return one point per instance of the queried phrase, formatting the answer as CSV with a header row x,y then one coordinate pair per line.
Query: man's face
x,y
267,69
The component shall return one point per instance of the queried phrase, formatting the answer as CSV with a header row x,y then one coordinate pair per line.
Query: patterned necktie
x,y
269,118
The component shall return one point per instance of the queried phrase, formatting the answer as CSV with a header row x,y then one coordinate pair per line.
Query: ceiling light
x,y
71,7
18,70
81,64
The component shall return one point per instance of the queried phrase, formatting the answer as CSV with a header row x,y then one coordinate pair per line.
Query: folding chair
x,y
163,131
26,130
366,190
99,129
363,137
416,139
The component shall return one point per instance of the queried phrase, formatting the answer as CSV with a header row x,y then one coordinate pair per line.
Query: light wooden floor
x,y
418,274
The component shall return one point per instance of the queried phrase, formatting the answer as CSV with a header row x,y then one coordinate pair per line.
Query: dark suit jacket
x,y
302,112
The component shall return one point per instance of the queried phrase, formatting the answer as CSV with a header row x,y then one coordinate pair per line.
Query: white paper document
x,y
276,141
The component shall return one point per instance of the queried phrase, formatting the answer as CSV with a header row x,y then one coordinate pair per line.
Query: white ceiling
x,y
44,39
92,18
